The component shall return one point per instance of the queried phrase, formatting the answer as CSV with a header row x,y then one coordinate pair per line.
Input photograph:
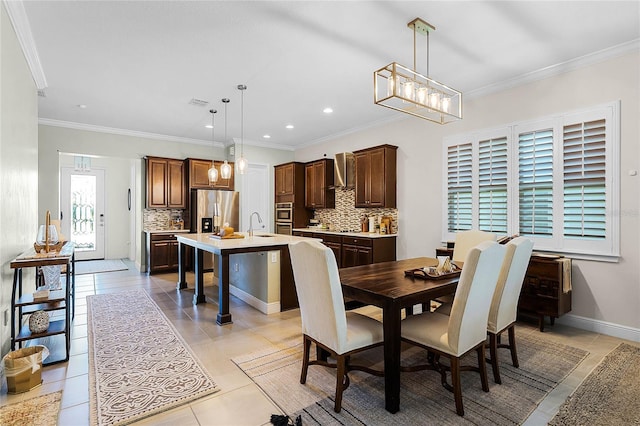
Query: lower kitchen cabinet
x,y
162,252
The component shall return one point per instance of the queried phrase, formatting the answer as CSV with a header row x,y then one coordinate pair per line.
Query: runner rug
x,y
609,396
96,266
41,411
138,363
423,400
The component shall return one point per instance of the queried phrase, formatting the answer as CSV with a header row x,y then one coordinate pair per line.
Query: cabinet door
x,y
363,179
377,178
199,173
226,184
160,255
337,251
176,191
349,256
318,184
309,186
284,179
156,182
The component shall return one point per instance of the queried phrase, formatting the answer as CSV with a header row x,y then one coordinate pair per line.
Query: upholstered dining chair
x,y
465,241
504,305
325,321
464,330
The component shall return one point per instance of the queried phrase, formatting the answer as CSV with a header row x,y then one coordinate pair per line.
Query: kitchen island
x,y
223,249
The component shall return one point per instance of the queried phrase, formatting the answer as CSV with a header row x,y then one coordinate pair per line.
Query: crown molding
x,y
124,132
557,69
20,22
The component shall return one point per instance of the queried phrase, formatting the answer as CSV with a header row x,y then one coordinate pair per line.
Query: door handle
x,y
61,215
129,199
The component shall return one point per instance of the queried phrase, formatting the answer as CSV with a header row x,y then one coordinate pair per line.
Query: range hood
x,y
344,170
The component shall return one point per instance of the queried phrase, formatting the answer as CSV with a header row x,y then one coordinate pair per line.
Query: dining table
x,y
386,285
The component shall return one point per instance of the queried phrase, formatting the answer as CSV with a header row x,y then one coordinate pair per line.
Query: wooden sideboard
x,y
546,290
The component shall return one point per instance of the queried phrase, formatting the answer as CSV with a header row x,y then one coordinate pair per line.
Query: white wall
x,y
606,296
18,165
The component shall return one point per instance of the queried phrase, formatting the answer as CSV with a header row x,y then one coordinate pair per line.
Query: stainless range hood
x,y
344,170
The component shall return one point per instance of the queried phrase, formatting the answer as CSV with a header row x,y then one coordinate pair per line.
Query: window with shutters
x,y
555,180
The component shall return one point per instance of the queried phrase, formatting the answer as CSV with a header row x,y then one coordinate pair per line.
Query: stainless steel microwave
x,y
284,212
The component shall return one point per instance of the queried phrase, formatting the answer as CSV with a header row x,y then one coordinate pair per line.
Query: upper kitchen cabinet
x,y
376,176
318,181
165,183
289,182
199,175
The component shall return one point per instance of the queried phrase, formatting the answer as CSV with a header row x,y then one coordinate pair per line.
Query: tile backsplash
x,y
158,219
345,217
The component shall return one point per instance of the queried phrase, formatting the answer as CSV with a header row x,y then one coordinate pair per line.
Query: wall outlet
x,y
236,267
5,316
274,257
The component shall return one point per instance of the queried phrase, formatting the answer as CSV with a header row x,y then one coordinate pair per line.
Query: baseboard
x,y
264,307
603,327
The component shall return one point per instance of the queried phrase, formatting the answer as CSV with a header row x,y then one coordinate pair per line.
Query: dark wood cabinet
x,y
318,180
355,250
285,180
546,290
162,252
165,183
376,177
199,175
289,188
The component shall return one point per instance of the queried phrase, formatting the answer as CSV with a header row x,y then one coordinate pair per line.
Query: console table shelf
x,y
57,301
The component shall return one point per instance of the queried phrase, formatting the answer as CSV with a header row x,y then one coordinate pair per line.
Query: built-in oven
x,y
284,212
284,228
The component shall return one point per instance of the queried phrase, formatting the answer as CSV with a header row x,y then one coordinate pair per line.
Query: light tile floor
x,y
239,402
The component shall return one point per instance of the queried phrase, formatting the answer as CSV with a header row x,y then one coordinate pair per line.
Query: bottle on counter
x,y
372,224
364,224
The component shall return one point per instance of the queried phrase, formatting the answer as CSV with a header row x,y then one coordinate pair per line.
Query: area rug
x,y
610,395
41,411
543,365
138,363
96,266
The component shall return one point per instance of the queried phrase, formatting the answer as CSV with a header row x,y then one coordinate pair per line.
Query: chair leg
x,y
340,379
306,344
483,368
512,346
457,387
493,351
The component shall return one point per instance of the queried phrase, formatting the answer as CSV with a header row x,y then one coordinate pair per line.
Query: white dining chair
x,y
466,240
464,330
325,321
504,305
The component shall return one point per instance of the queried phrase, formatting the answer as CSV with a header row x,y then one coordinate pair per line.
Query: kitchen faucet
x,y
251,222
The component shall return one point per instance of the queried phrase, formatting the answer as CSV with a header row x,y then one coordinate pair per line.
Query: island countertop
x,y
258,240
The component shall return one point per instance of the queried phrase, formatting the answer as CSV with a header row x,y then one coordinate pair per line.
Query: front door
x,y
82,211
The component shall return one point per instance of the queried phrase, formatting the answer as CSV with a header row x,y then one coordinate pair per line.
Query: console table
x,y
58,300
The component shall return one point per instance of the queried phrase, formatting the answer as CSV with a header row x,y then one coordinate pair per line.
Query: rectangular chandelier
x,y
406,90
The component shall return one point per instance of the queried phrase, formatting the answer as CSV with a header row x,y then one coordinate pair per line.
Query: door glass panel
x,y
83,208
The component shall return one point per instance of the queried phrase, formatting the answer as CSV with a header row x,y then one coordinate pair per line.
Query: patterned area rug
x,y
41,411
542,366
138,363
610,395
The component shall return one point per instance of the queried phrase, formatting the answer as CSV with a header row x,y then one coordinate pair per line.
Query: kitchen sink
x,y
264,235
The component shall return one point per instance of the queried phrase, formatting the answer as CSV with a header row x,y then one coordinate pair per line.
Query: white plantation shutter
x,y
585,191
492,185
555,180
459,184
535,178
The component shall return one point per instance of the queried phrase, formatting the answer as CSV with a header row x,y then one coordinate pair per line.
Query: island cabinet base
x,y
288,295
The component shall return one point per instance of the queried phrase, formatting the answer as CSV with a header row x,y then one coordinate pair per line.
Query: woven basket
x,y
52,247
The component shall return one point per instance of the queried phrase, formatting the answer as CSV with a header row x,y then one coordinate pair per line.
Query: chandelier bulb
x,y
212,173
225,170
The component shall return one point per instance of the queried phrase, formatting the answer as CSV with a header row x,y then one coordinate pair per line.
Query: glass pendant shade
x,y
225,170
242,164
213,174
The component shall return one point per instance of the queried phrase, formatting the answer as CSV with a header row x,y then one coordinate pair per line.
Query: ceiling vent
x,y
198,102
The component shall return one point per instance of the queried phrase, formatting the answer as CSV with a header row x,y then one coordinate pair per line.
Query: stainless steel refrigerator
x,y
211,209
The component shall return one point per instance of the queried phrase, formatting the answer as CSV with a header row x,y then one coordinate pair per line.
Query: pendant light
x,y
212,173
225,168
242,162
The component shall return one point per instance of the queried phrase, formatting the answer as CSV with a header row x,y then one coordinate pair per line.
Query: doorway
x,y
82,211
254,197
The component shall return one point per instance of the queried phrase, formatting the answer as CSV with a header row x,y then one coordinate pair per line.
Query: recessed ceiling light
x,y
327,110
208,126
81,106
267,136
289,126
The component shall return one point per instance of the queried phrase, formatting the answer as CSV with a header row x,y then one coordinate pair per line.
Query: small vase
x,y
39,322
